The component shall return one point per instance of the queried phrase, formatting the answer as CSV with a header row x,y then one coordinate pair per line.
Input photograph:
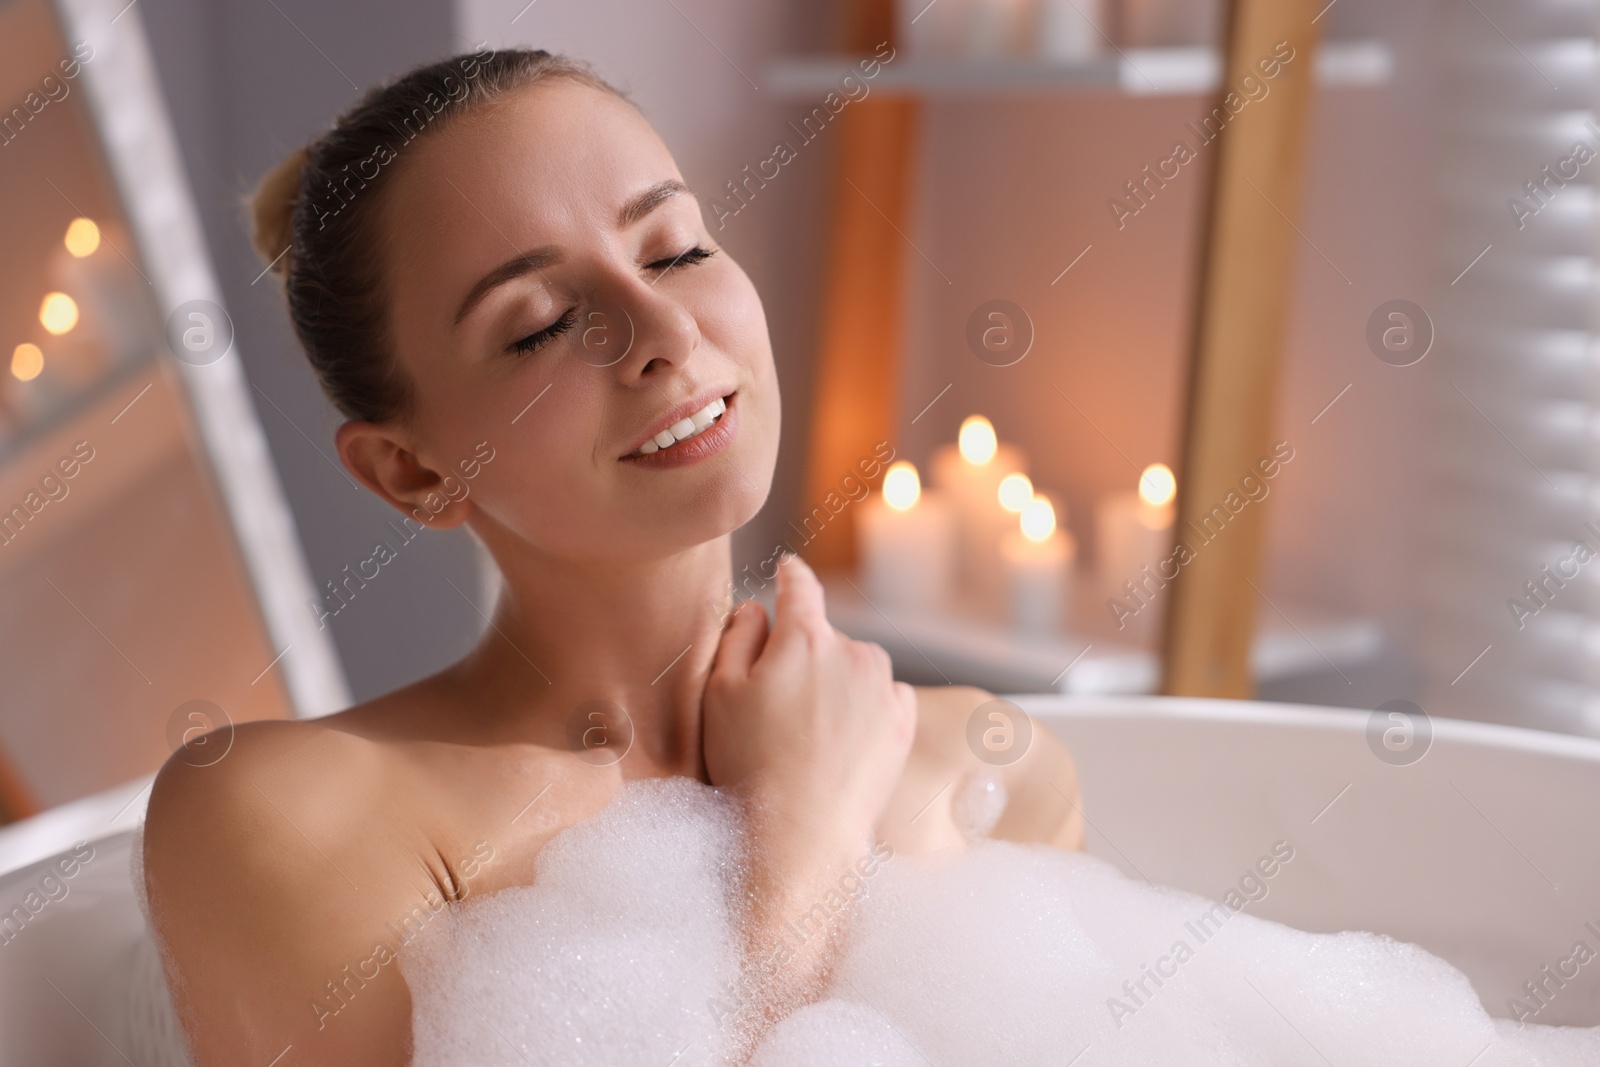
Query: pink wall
x,y
1013,189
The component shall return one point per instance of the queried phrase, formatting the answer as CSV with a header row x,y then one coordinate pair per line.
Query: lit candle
x,y
1134,528
58,313
1016,492
1037,559
907,543
969,473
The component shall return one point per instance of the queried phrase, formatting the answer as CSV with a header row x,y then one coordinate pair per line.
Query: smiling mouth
x,y
685,429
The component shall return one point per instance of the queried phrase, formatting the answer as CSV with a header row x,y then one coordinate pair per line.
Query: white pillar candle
x,y
906,539
1037,559
1134,528
969,474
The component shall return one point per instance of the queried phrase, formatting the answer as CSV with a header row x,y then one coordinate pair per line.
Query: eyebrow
x,y
529,262
648,201
524,263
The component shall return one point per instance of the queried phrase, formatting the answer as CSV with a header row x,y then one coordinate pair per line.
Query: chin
x,y
740,480
731,504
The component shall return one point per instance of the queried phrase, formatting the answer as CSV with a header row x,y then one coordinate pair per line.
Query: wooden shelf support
x,y
1244,292
853,401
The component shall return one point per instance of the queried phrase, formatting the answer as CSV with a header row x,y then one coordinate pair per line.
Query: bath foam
x,y
610,957
1019,953
999,953
836,1032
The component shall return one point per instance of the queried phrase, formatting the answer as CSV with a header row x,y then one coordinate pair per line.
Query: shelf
x,y
975,651
1134,71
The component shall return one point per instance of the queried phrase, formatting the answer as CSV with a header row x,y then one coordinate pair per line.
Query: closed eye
x,y
697,254
535,341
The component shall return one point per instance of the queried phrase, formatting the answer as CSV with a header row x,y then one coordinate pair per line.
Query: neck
x,y
641,636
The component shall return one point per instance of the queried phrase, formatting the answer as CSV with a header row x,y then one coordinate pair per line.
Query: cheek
x,y
738,326
542,481
730,314
749,344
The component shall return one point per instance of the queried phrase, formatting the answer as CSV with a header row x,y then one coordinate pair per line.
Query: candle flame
x,y
58,313
1038,520
977,441
1015,491
901,486
26,362
1157,485
83,237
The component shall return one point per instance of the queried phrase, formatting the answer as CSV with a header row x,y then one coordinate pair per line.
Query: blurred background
x,y
982,255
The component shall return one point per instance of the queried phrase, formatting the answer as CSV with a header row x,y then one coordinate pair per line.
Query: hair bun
x,y
272,206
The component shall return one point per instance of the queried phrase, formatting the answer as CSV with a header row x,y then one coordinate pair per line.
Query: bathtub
x,y
1486,851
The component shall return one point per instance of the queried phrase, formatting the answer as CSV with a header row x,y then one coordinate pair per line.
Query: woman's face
x,y
552,300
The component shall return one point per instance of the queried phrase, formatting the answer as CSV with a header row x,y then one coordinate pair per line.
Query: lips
x,y
694,431
682,423
685,428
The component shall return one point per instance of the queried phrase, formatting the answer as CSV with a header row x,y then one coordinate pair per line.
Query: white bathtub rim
x,y
1311,718
92,818
105,814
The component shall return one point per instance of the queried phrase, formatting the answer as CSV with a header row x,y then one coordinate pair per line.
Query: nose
x,y
640,332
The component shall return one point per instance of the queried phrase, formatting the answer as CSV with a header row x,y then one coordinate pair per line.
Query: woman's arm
x,y
789,932
269,946
809,729
1042,799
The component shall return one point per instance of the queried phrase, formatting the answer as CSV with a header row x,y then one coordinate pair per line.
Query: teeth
x,y
685,428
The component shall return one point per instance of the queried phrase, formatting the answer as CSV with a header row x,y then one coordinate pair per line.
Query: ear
x,y
380,457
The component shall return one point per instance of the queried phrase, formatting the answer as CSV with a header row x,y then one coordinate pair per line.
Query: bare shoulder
x,y
254,868
237,788
955,724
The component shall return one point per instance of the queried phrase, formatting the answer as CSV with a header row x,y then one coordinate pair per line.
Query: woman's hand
x,y
805,725
811,732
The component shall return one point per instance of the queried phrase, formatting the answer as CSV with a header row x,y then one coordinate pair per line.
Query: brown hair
x,y
315,215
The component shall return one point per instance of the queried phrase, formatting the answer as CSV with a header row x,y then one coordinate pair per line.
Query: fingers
x,y
742,642
800,608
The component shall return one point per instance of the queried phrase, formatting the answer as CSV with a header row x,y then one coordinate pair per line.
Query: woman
x,y
501,280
